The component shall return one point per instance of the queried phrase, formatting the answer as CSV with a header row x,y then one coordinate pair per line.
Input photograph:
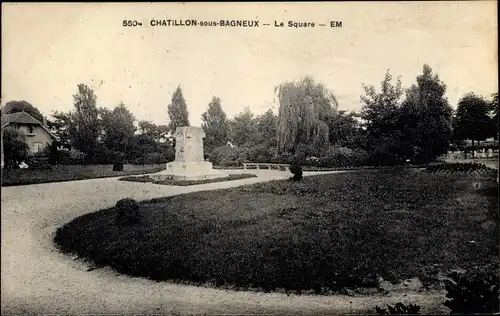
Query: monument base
x,y
178,170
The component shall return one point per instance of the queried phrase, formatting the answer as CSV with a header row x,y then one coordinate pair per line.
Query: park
x,y
390,236
250,172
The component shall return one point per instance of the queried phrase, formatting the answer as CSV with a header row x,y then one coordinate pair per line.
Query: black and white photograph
x,y
250,158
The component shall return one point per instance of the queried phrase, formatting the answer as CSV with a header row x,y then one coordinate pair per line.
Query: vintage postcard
x,y
281,158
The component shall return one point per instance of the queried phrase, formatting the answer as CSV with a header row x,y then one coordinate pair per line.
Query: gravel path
x,y
37,279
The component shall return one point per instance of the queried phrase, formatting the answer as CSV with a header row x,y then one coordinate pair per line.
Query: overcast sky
x,y
47,49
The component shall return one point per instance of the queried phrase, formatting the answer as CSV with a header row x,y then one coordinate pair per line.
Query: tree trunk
x,y
473,150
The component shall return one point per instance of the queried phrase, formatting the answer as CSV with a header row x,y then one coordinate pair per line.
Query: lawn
x,y
62,173
324,234
147,179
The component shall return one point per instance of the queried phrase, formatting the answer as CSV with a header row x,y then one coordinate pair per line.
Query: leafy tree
x,y
177,111
215,125
380,112
471,119
15,147
243,130
118,127
20,106
345,129
61,126
84,127
494,114
267,124
426,116
304,108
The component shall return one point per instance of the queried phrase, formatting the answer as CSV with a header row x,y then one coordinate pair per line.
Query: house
x,y
37,133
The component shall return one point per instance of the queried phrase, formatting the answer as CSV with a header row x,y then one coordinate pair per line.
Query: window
x,y
37,147
31,130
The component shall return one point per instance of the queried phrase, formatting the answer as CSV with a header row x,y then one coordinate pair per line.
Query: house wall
x,y
39,136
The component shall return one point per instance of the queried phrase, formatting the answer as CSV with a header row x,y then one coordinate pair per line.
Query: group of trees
x,y
394,125
92,134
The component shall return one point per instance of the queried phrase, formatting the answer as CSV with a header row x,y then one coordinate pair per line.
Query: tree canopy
x,y
84,121
471,120
215,125
22,106
177,111
304,109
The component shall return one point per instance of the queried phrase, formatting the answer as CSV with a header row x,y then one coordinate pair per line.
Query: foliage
x,y
345,129
15,148
380,113
458,167
148,179
426,117
225,155
399,309
84,127
127,212
494,114
150,144
177,111
471,119
304,109
266,129
243,129
337,156
22,106
418,128
118,127
297,172
54,153
118,166
473,293
313,235
61,125
215,125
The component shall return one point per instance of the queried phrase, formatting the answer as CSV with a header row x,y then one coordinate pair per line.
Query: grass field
x,y
61,173
324,234
147,179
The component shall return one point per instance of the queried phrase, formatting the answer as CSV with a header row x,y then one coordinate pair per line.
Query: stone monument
x,y
189,163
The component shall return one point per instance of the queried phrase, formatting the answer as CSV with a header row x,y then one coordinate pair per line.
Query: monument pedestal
x,y
189,163
179,170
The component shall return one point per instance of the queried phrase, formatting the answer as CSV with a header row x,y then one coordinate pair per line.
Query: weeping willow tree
x,y
304,110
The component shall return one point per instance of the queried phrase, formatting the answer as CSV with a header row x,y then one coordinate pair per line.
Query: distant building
x,y
38,135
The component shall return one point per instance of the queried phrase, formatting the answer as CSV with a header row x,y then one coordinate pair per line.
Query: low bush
x,y
118,166
127,212
473,293
399,309
148,179
297,172
457,167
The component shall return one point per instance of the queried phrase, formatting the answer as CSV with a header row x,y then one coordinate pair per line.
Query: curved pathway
x,y
37,279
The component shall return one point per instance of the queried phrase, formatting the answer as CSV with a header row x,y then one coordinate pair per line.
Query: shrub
x,y
224,154
399,309
342,157
127,212
476,292
297,172
39,163
15,148
457,167
118,166
71,157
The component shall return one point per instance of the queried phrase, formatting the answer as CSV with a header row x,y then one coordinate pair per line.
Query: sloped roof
x,y
23,118
19,118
